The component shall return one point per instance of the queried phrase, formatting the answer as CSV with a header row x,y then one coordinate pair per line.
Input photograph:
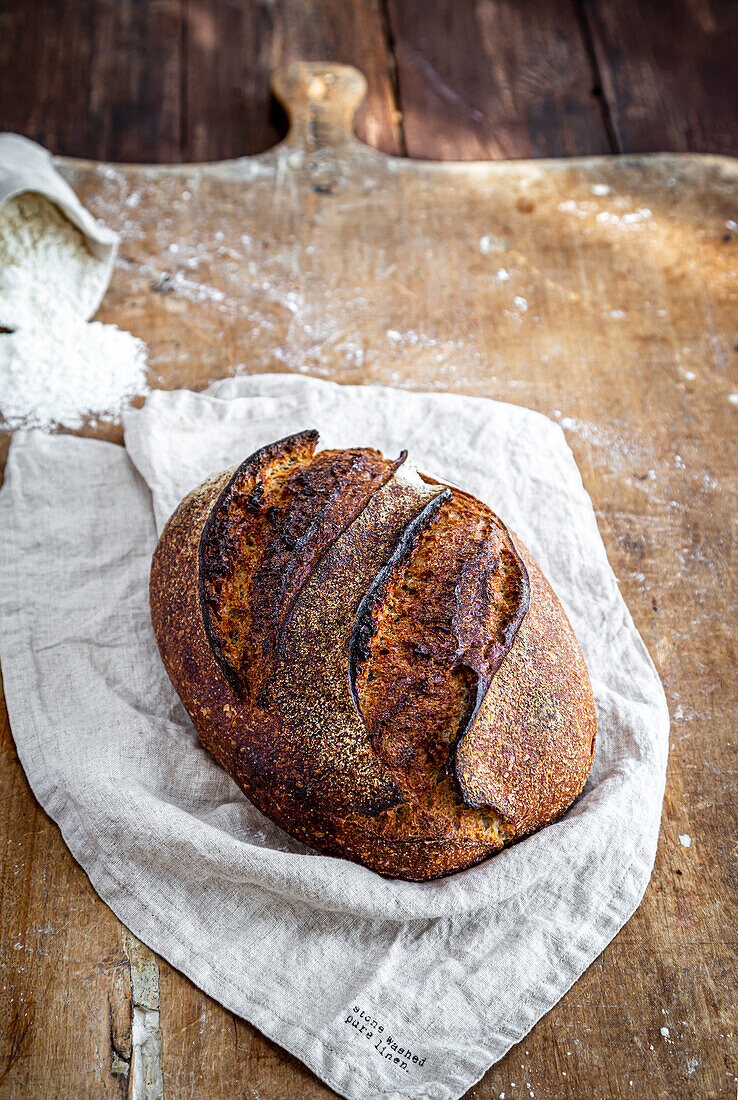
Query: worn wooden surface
x,y
172,80
489,81
668,73
600,292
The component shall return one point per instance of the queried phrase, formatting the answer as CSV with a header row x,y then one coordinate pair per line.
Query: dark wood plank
x,y
89,78
167,81
668,72
490,80
189,79
232,49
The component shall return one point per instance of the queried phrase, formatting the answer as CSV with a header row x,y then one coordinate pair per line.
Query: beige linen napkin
x,y
385,989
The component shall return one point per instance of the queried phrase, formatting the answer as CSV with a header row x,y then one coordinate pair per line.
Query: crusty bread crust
x,y
293,737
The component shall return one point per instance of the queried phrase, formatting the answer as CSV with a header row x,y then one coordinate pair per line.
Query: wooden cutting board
x,y
600,291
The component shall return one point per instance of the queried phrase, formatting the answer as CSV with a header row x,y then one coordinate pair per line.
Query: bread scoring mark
x,y
279,514
428,638
363,628
219,545
318,736
368,473
531,749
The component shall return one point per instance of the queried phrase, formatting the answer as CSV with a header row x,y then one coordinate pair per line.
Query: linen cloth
x,y
384,989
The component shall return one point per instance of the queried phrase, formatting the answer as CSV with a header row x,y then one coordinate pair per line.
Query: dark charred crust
x,y
216,542
363,628
278,516
326,542
372,805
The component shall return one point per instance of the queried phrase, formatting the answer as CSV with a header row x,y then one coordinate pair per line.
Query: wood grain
x,y
599,292
485,81
93,78
178,80
183,80
232,50
668,72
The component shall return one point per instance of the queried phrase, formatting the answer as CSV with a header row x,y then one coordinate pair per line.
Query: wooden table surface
x,y
189,80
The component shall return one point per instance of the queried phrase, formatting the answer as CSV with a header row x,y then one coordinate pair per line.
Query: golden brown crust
x,y
530,751
430,636
284,723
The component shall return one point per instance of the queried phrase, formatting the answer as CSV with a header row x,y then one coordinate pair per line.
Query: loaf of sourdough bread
x,y
373,657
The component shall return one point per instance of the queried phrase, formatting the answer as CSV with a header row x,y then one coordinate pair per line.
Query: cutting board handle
x,y
321,99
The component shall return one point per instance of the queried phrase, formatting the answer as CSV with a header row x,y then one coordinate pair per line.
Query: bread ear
x,y
223,543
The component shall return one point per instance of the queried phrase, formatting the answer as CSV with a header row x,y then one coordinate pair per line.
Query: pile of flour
x,y
55,368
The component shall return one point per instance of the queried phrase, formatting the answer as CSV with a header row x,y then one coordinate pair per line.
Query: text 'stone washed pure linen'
x,y
385,989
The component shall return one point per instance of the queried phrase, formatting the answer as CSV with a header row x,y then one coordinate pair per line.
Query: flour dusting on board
x,y
586,209
63,377
54,367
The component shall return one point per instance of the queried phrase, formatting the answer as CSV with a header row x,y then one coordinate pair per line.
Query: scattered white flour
x,y
503,275
733,398
177,282
587,208
520,303
569,206
640,215
600,189
55,368
666,1034
685,840
43,257
59,377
